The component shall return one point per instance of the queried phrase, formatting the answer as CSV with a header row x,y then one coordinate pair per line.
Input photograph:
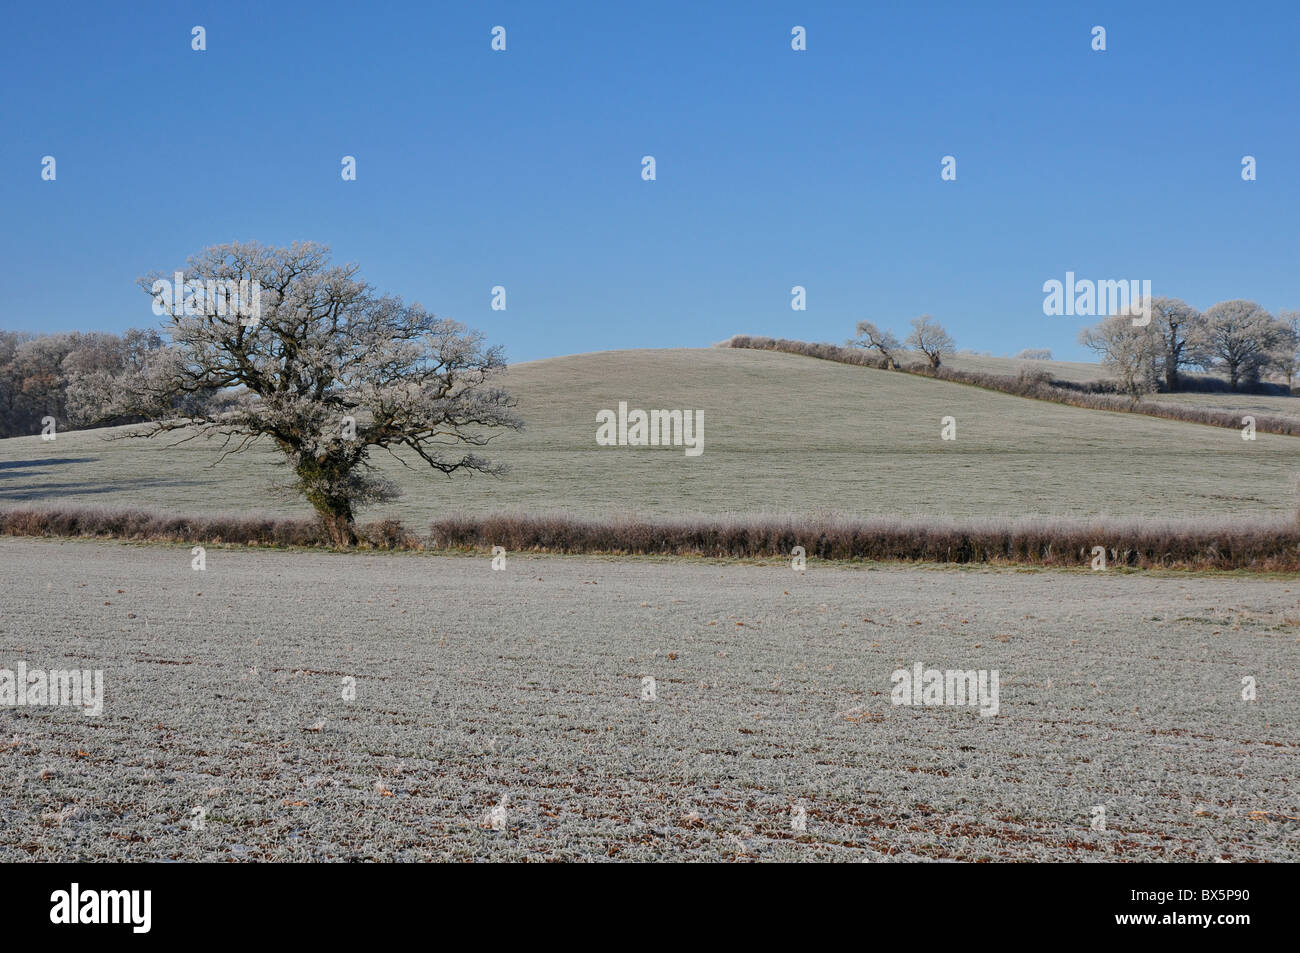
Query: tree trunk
x,y
334,509
339,525
1171,376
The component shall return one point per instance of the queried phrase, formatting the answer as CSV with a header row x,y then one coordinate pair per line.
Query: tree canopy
x,y
321,364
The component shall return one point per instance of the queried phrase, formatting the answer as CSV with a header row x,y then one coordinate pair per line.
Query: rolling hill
x,y
783,434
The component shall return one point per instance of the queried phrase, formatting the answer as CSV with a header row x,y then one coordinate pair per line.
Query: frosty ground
x,y
226,734
784,435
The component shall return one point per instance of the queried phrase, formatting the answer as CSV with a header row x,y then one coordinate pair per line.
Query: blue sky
x,y
775,168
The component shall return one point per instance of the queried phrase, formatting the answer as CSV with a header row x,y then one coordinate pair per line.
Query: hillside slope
x,y
782,434
1077,372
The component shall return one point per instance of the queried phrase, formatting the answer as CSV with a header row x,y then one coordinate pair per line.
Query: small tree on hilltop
x,y
929,337
1241,338
1181,329
328,369
1128,351
873,338
1287,356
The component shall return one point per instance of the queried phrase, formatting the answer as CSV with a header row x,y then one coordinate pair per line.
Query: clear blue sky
x,y
775,168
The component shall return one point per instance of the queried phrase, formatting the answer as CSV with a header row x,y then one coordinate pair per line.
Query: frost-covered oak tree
x,y
1180,329
929,337
1129,351
1241,338
873,338
327,369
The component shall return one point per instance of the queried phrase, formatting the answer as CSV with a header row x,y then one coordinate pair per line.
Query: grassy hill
x,y
782,434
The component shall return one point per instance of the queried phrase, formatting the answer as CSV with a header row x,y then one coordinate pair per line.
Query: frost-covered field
x,y
225,734
783,435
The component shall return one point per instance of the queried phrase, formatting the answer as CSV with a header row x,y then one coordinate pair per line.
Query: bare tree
x,y
1287,357
1180,328
929,337
873,338
329,370
38,365
35,370
1241,338
1127,351
1034,354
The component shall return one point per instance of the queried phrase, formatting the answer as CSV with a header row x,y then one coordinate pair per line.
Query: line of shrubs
x,y
1036,384
1187,384
143,525
1262,545
1259,545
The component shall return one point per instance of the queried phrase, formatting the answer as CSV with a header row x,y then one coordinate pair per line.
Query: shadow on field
x,y
32,464
42,491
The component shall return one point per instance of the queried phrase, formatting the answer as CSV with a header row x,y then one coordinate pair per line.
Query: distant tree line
x,y
1237,340
926,337
41,376
1035,382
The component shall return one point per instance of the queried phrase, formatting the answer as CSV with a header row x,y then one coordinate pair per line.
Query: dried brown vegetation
x,y
1263,545
1270,545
